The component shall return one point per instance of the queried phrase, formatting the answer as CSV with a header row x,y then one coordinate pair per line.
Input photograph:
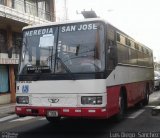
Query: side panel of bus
x,y
130,70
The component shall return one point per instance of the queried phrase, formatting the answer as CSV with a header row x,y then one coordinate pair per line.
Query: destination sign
x,y
38,69
43,31
78,27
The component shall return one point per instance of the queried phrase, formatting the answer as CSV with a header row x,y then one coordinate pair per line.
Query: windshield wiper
x,y
73,57
66,68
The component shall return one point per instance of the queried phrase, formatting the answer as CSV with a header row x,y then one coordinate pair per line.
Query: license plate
x,y
52,113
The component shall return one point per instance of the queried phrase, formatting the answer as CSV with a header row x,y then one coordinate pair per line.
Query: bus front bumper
x,y
62,112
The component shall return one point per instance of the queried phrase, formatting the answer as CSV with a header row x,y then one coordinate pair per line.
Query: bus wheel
x,y
146,98
53,119
120,115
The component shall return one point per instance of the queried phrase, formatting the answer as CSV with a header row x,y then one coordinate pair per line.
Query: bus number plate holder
x,y
52,113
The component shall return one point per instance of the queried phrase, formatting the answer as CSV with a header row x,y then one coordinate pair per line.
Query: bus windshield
x,y
69,48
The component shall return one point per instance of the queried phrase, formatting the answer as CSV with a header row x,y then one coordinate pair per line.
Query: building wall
x,y
9,57
27,12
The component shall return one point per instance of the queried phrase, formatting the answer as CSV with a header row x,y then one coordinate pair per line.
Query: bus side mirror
x,y
111,57
111,52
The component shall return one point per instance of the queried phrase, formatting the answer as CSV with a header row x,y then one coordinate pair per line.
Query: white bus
x,y
81,69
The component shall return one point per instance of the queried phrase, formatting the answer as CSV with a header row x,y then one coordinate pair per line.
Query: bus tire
x,y
146,98
122,106
53,119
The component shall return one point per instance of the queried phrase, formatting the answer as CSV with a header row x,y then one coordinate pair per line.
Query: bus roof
x,y
65,22
80,21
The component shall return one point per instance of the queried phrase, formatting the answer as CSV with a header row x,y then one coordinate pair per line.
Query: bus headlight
x,y
22,99
91,100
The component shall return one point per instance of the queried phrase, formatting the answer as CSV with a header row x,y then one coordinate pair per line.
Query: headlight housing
x,y
22,99
92,100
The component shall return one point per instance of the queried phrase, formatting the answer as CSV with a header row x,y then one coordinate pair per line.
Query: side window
x,y
118,37
140,58
150,59
123,54
133,56
127,42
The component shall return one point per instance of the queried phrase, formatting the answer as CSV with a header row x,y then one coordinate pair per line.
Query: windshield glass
x,y
71,48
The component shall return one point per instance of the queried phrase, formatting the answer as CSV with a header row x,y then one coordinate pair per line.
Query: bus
x,y
83,69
